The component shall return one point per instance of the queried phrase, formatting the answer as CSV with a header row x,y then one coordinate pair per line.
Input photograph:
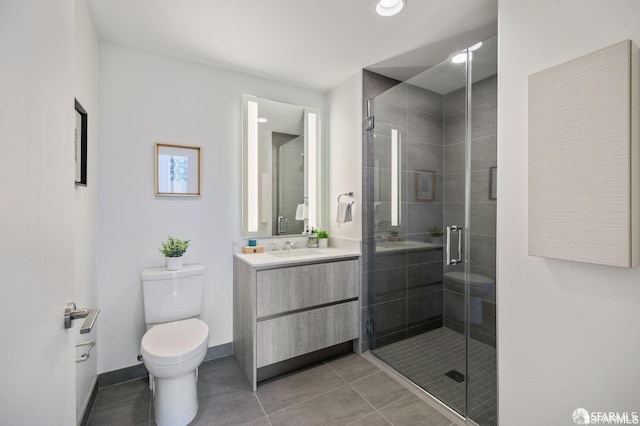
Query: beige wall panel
x,y
635,155
580,155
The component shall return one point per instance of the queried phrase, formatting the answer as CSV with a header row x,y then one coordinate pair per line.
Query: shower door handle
x,y
450,229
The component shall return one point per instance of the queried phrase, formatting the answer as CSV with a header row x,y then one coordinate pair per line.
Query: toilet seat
x,y
175,342
474,279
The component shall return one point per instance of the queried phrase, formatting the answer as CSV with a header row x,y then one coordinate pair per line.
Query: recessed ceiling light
x,y
462,56
262,120
389,7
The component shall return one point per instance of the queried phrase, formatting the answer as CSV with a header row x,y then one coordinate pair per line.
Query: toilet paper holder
x,y
85,356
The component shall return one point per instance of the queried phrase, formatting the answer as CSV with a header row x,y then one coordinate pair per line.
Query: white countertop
x,y
292,257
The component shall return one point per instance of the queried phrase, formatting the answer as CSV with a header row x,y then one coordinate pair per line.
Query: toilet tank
x,y
172,295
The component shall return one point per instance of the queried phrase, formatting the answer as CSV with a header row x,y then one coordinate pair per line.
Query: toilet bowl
x,y
172,352
176,341
480,287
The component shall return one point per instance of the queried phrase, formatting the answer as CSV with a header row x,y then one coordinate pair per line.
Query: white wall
x,y
86,198
144,98
568,333
37,369
345,154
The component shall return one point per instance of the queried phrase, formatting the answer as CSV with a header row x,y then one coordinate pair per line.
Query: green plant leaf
x,y
174,247
322,234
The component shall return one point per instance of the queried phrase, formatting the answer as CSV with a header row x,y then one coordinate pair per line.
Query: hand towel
x,y
300,212
344,212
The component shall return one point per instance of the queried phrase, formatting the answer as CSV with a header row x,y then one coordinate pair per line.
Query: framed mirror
x,y
281,164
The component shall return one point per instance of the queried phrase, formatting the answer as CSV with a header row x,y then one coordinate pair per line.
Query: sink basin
x,y
296,252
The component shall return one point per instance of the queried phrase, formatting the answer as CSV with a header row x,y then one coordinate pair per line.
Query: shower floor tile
x,y
426,358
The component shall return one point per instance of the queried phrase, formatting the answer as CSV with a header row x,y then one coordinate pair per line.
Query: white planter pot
x,y
174,263
323,242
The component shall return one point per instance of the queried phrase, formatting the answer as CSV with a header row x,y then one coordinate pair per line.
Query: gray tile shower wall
x,y
402,290
288,182
403,296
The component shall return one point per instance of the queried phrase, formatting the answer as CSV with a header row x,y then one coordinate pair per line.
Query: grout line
x,y
367,376
307,399
415,389
374,408
255,394
396,401
360,395
356,380
369,414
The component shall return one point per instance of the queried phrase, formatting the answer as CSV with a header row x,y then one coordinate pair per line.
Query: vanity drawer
x,y
288,336
300,287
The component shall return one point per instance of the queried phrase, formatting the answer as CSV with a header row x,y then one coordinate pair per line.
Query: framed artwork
x,y
493,183
425,185
80,144
177,170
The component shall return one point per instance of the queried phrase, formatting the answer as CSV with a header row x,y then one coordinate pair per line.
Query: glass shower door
x,y
426,170
481,239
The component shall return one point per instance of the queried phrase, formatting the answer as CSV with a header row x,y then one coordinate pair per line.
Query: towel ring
x,y
347,194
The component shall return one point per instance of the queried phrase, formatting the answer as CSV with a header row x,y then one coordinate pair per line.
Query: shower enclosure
x,y
430,229
288,182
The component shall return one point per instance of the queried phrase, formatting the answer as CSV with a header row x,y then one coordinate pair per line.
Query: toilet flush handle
x,y
71,313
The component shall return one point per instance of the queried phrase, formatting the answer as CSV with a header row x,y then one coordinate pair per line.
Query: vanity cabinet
x,y
283,313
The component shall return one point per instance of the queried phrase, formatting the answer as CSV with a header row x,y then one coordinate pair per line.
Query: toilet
x,y
176,341
480,287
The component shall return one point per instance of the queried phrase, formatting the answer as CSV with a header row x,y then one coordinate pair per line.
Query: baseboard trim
x,y
122,375
88,406
219,351
139,371
291,364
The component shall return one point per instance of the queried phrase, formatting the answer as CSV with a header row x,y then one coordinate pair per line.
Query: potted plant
x,y
173,249
323,238
435,234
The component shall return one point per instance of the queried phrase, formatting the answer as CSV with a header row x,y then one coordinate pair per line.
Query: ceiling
x,y
448,76
315,44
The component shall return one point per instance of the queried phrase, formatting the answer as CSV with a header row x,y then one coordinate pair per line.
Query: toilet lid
x,y
175,342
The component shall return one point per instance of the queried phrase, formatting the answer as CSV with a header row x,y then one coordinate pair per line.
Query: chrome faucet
x,y
287,246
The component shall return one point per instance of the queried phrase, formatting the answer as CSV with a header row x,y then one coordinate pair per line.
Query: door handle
x,y
450,229
71,313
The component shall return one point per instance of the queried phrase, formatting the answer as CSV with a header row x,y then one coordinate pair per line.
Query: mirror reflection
x,y
279,167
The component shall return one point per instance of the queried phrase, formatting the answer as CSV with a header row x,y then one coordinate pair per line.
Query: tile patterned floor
x,y
348,390
424,359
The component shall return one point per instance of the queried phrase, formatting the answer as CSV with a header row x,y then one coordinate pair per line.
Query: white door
x,y
37,367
